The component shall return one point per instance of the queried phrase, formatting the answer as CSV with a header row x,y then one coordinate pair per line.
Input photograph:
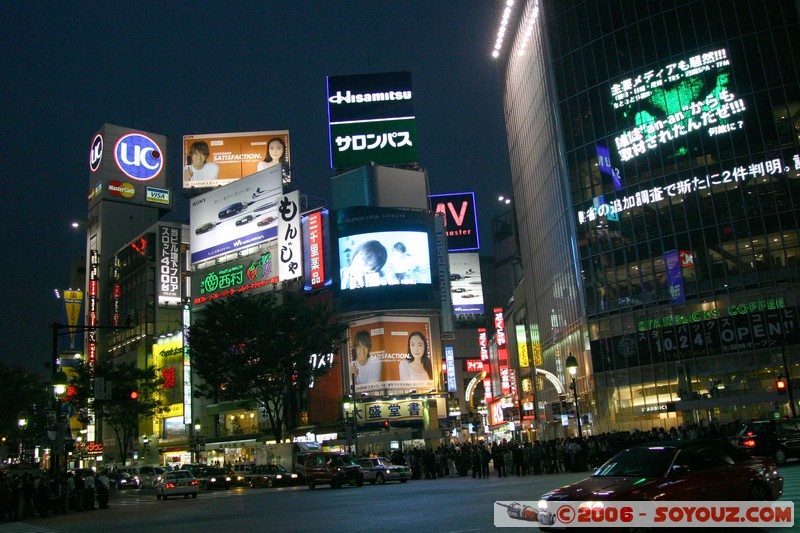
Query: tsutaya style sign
x,y
371,119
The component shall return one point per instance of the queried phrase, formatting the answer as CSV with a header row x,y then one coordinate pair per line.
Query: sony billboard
x,y
237,216
371,119
128,166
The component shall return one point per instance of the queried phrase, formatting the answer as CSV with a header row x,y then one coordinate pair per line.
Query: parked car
x,y
693,470
213,477
121,480
242,471
271,476
332,468
380,470
779,439
177,482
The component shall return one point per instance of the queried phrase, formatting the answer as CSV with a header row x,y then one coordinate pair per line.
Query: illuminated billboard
x,y
385,258
168,358
240,215
391,353
460,219
216,159
316,253
128,166
252,274
466,288
169,265
371,119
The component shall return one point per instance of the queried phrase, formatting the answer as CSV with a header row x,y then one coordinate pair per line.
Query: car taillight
x,y
749,433
750,443
195,482
169,485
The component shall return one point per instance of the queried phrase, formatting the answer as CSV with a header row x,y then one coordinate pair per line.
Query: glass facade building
x,y
656,169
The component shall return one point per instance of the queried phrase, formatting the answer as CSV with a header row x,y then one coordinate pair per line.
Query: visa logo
x,y
160,196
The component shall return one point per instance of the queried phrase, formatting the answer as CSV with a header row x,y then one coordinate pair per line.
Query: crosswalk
x,y
791,482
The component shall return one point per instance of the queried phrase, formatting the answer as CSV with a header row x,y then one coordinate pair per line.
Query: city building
x,y
655,165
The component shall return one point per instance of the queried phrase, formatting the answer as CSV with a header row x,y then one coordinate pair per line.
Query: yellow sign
x,y
537,354
522,352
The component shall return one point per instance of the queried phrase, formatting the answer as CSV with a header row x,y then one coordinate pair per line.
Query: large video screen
x,y
215,159
385,258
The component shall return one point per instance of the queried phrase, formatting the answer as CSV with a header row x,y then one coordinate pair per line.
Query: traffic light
x,y
386,425
780,385
134,395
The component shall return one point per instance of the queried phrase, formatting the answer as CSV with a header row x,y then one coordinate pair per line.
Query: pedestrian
x,y
88,492
103,484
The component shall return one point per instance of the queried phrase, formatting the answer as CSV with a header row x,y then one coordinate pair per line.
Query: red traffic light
x,y
780,385
386,424
134,395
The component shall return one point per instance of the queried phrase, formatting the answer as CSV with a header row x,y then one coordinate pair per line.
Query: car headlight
x,y
213,480
294,476
227,479
542,505
388,471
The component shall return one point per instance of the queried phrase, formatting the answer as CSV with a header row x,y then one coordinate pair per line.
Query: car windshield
x,y
215,471
755,428
643,462
276,469
343,460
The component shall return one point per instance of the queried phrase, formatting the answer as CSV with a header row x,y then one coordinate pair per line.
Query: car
x,y
687,470
213,477
149,474
241,471
175,483
779,439
121,480
380,470
271,476
332,468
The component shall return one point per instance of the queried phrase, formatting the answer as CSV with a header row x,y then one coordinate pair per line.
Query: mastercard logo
x,y
119,188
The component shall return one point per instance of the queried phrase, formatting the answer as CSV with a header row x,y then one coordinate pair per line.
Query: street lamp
x,y
22,423
22,419
572,368
195,439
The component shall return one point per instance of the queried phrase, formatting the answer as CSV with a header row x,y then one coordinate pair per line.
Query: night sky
x,y
177,68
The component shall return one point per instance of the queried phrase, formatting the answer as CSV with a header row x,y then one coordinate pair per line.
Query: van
x,y
242,472
334,469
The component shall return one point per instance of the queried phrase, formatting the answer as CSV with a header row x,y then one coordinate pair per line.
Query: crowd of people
x,y
569,454
28,495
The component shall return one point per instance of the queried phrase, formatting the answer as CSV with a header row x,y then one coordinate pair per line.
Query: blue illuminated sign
x,y
138,157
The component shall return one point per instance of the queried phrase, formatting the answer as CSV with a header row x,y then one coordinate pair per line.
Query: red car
x,y
689,470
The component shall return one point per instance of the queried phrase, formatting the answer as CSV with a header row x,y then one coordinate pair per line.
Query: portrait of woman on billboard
x,y
417,365
276,154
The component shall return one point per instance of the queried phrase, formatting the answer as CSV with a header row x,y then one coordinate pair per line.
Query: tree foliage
x,y
22,390
114,406
257,350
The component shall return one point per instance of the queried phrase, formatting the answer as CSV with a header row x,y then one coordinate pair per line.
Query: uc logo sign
x,y
96,153
138,156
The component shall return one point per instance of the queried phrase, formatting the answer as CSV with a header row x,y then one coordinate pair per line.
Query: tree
x,y
257,349
117,406
23,391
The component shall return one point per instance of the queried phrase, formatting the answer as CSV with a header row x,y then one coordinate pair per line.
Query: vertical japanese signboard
x,y
316,250
169,265
502,350
290,242
94,277
450,362
483,344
